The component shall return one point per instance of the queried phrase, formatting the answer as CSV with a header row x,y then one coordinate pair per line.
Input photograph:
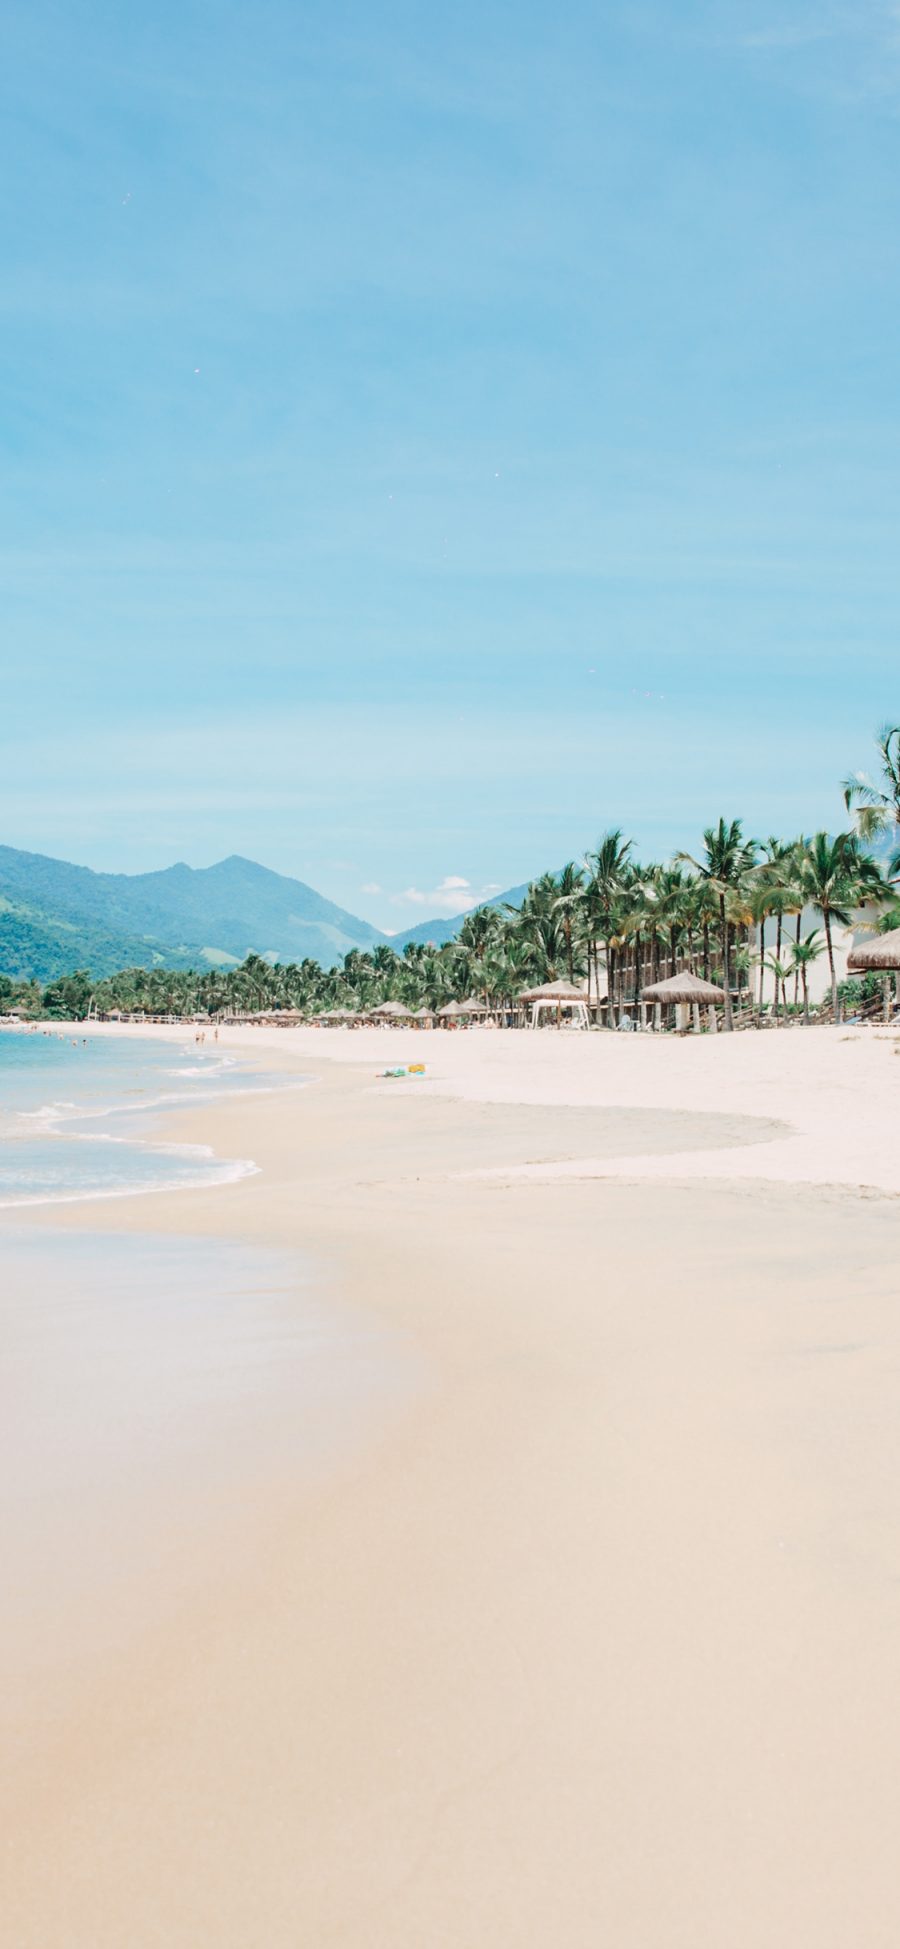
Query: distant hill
x,y
40,947
438,932
55,917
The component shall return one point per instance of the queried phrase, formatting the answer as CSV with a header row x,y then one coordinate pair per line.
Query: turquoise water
x,y
77,1115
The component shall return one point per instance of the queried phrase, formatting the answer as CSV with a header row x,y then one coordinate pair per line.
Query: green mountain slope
x,y
34,946
55,917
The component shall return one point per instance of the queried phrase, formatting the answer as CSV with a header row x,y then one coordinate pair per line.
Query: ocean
x,y
78,1114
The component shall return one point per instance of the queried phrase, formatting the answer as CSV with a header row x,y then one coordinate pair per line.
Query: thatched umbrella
x,y
472,1006
685,988
881,954
449,1011
554,991
393,1012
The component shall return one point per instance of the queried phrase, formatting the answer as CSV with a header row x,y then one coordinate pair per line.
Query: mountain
x,y
41,947
55,917
437,932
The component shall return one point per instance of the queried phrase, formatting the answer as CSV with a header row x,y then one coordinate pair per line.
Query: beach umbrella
x,y
450,1009
554,991
393,1012
472,1006
882,955
682,988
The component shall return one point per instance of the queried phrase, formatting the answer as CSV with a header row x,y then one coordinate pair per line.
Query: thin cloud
x,y
454,894
848,52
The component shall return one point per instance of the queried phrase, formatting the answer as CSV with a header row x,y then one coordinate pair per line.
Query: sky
x,y
431,437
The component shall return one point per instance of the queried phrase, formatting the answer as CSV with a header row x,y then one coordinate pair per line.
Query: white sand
x,y
595,1641
837,1090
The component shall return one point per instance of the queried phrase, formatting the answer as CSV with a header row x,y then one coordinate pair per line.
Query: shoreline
x,y
570,1646
823,1100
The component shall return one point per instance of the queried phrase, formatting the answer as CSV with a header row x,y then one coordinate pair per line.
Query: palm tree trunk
x,y
796,969
762,954
728,1023
805,999
834,993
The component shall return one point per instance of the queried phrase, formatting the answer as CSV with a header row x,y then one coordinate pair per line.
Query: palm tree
x,y
727,860
568,900
542,925
803,954
761,907
835,876
781,970
877,807
607,868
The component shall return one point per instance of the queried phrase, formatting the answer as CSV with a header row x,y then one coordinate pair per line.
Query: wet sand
x,y
591,1636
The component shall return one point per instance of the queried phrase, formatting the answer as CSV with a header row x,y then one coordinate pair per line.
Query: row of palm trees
x,y
608,923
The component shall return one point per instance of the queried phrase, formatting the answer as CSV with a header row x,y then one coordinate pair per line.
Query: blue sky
x,y
431,436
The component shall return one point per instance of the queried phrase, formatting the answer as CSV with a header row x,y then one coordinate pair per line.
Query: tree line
x,y
608,923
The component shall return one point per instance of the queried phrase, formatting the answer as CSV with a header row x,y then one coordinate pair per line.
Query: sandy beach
x,y
586,1632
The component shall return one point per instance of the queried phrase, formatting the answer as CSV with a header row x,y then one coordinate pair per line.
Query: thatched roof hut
x,y
472,1006
449,1010
879,955
393,1012
682,988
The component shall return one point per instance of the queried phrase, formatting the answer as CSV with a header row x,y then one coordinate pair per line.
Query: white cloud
x,y
453,895
371,886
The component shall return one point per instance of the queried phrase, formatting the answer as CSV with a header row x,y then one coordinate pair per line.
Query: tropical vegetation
x,y
733,913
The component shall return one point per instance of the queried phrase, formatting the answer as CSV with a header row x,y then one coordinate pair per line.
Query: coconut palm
x,y
607,870
726,863
569,901
835,876
781,971
803,954
877,806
